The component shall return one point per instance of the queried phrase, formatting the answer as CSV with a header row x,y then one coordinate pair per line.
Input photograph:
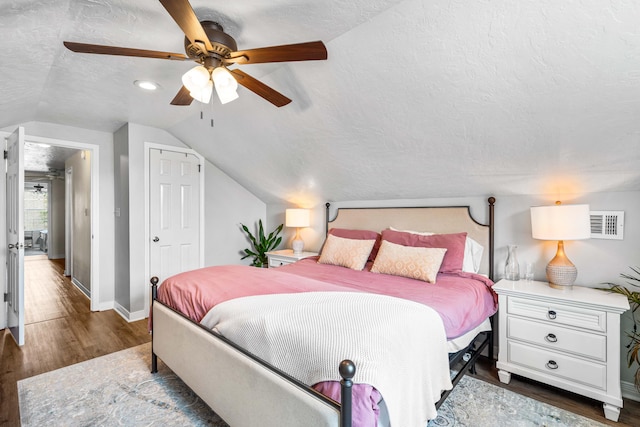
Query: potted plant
x,y
261,244
633,355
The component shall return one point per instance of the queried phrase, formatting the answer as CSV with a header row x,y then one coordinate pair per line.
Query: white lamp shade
x,y
226,85
203,94
196,78
297,218
560,222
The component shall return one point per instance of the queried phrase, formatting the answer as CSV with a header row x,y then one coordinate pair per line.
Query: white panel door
x,y
174,213
15,234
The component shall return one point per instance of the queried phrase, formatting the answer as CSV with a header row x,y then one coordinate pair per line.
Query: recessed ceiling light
x,y
146,84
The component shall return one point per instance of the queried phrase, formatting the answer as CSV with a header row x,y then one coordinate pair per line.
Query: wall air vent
x,y
607,225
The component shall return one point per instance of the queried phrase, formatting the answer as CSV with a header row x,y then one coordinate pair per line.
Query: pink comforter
x,y
463,300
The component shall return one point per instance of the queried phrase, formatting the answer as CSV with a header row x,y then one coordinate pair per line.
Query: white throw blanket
x,y
398,346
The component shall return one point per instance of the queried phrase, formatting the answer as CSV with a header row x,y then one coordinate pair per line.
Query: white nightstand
x,y
286,256
566,338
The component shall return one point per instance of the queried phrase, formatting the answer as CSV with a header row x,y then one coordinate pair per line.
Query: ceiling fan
x,y
207,44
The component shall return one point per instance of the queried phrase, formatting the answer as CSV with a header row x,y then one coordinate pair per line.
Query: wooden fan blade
x,y
309,51
123,51
182,97
182,12
259,88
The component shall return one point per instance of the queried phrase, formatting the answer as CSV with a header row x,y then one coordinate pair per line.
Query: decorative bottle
x,y
511,267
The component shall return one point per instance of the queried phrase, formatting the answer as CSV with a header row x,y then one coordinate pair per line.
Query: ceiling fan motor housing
x,y
222,42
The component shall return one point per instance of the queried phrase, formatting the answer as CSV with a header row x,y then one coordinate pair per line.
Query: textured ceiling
x,y
417,99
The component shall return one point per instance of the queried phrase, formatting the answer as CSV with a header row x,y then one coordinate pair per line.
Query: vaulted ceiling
x,y
417,98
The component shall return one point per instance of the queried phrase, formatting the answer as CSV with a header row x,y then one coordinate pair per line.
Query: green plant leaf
x,y
261,244
633,280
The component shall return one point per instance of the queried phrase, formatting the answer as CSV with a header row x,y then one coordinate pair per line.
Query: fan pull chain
x,y
202,117
211,104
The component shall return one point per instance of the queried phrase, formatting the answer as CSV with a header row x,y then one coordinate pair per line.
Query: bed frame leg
x,y
154,293
347,371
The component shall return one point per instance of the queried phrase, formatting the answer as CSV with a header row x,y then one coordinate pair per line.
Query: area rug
x,y
118,390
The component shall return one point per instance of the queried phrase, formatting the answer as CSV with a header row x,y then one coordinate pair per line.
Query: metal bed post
x,y
492,201
347,371
326,219
154,293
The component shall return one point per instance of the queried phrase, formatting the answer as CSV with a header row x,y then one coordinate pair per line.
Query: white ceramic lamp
x,y
297,218
561,222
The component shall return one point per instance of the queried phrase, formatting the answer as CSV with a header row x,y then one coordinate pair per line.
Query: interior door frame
x,y
94,158
68,221
3,239
148,146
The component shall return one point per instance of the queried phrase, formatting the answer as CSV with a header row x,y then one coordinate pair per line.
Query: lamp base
x,y
297,246
561,277
561,272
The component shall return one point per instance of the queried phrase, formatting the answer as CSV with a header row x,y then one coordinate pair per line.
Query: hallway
x,y
60,331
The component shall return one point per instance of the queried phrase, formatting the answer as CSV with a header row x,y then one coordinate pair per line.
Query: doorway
x,y
46,163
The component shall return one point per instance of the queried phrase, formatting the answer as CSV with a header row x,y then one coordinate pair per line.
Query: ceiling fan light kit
x,y
207,44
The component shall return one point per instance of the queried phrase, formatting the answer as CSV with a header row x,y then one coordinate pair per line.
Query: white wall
x,y
56,226
122,276
81,209
598,261
227,205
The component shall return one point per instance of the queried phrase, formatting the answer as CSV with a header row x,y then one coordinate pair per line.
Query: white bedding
x,y
308,334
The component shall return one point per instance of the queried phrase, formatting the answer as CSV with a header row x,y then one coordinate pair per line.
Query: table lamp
x,y
561,222
297,218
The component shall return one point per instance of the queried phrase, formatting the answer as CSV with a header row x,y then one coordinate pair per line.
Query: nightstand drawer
x,y
275,262
559,365
558,313
558,338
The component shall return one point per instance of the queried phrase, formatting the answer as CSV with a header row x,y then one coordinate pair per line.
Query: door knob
x,y
156,239
11,246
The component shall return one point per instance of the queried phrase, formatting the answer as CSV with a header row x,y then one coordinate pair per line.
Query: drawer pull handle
x,y
551,314
551,338
551,364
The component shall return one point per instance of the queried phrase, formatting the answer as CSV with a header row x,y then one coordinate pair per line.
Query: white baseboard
x,y
629,391
129,316
104,306
138,315
81,287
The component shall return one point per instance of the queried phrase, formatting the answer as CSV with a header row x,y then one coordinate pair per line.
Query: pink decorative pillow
x,y
408,261
359,235
350,253
453,243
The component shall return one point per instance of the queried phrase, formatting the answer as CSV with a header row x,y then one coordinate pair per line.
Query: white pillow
x,y
472,251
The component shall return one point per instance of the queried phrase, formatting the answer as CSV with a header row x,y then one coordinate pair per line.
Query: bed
x,y
244,360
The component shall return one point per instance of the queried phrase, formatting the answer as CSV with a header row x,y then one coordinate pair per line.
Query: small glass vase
x,y
511,267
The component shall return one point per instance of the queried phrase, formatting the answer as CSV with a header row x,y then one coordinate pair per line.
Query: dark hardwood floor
x,y
61,330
